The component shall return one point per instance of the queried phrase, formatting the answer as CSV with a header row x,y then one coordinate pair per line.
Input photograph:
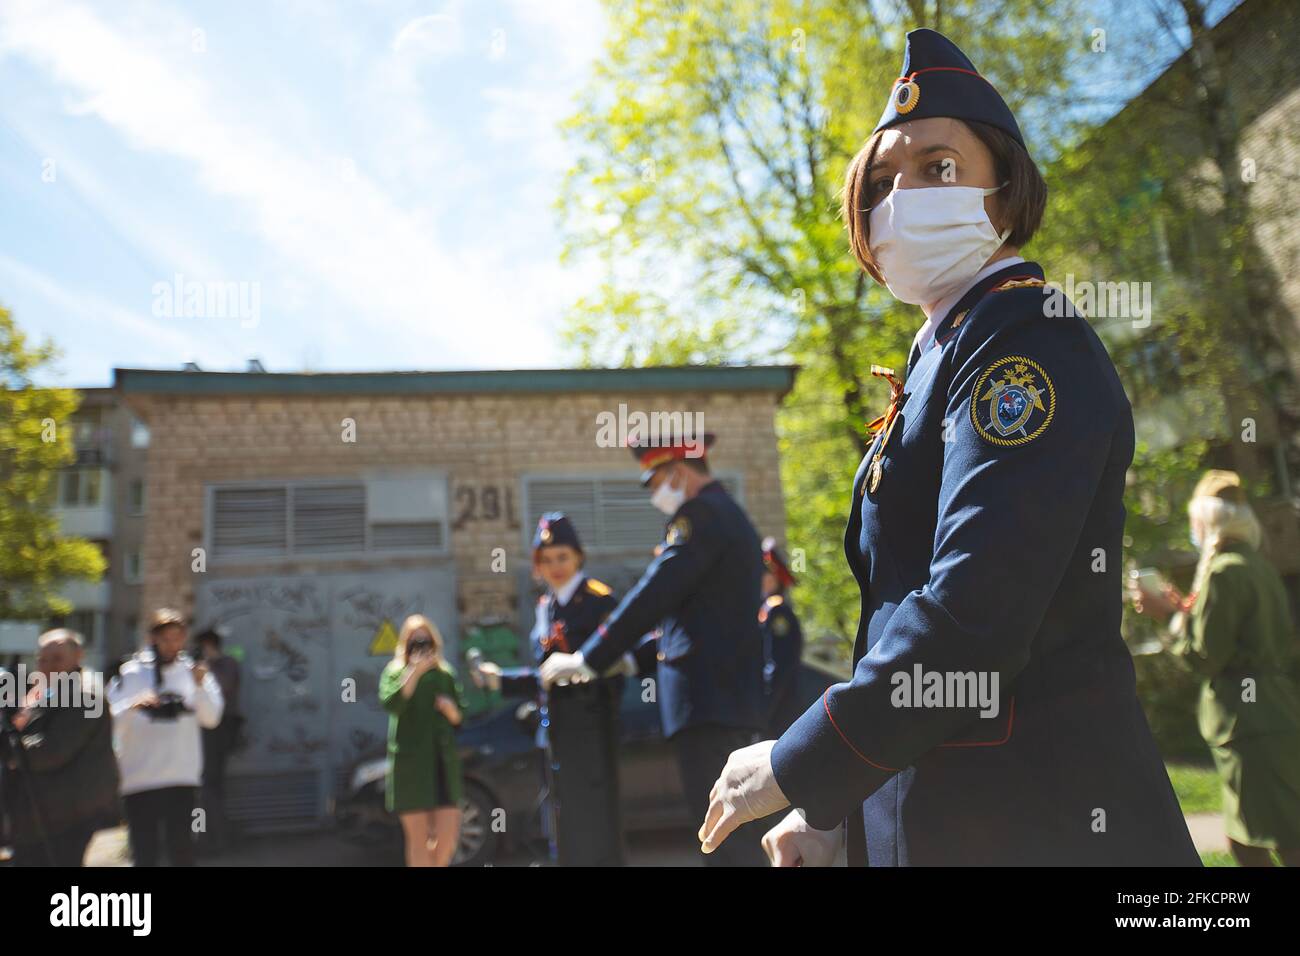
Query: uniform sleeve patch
x,y
1013,401
780,625
679,532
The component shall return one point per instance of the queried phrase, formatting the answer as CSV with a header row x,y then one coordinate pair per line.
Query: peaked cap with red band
x,y
651,454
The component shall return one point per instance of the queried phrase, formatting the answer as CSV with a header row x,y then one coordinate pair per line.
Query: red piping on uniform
x,y
931,69
826,704
1011,722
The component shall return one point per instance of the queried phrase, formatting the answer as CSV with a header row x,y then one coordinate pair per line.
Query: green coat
x,y
1240,639
423,759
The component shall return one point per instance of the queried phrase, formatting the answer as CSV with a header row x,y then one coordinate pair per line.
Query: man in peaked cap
x,y
700,590
992,716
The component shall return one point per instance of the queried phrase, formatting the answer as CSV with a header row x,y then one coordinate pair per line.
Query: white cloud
x,y
382,258
434,35
81,318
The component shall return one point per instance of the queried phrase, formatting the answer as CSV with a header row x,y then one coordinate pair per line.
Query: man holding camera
x,y
57,749
160,700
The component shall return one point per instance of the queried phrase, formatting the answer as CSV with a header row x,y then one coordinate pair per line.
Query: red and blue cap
x,y
650,454
940,80
555,528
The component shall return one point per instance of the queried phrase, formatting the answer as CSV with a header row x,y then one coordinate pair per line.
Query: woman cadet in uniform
x,y
992,716
580,723
1238,636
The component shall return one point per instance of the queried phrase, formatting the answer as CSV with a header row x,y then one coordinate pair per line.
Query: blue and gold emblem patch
x,y
907,96
1013,401
679,532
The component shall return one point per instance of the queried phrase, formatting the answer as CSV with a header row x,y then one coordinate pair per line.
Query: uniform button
x,y
660,656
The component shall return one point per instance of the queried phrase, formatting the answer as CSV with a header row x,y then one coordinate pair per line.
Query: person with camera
x,y
161,699
61,776
220,741
425,706
1236,633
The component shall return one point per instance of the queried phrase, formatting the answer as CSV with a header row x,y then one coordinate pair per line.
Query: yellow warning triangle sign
x,y
385,640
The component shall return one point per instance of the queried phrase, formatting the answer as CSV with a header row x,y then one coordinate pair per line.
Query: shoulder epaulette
x,y
1019,282
775,599
598,587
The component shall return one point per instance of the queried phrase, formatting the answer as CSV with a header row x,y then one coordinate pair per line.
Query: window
x,y
611,514
328,517
80,487
133,573
135,496
249,522
139,434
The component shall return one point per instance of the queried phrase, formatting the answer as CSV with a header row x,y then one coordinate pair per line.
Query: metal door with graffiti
x,y
312,649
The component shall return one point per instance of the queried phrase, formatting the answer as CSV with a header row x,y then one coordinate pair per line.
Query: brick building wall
x,y
485,443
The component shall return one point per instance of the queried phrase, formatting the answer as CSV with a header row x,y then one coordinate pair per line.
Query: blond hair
x,y
1219,505
418,622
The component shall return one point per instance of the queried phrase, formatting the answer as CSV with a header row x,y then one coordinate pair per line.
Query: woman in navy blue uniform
x,y
580,724
992,716
782,642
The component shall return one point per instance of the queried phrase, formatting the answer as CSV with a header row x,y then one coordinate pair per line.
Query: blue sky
x,y
382,172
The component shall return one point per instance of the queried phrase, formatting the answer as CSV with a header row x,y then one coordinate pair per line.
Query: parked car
x,y
504,772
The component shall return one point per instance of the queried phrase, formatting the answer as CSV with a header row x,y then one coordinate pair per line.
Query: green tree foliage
x,y
35,441
1159,194
713,142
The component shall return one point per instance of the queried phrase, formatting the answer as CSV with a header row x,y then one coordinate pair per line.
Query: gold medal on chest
x,y
873,476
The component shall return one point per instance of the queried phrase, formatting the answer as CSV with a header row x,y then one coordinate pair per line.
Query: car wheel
x,y
478,841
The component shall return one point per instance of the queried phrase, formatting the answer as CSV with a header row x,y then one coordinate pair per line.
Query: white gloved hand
x,y
561,668
626,667
747,790
792,842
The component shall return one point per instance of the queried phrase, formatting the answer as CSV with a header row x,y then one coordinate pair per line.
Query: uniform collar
x,y
950,312
564,594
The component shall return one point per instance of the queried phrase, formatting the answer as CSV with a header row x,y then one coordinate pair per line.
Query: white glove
x,y
792,842
626,667
565,668
747,790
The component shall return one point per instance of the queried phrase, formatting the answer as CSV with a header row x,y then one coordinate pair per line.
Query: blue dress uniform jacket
x,y
701,591
570,623
783,653
992,545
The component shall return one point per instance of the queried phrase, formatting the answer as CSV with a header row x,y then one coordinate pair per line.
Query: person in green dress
x,y
1236,632
424,703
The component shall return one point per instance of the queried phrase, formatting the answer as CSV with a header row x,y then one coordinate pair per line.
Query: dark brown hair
x,y
1019,206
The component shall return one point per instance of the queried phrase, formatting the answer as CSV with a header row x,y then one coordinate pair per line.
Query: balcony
x,y
85,595
91,521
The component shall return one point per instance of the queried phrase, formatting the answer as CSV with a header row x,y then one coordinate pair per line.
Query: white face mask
x,y
668,498
931,241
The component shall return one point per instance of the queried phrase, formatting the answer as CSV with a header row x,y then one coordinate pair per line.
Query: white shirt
x,y
152,754
560,597
567,590
937,312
